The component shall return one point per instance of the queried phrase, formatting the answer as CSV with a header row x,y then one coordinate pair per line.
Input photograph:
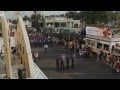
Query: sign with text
x,y
98,31
94,31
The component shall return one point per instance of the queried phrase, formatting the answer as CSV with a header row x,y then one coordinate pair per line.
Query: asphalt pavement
x,y
85,68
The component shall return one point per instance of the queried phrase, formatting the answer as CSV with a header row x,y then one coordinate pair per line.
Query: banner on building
x,y
98,31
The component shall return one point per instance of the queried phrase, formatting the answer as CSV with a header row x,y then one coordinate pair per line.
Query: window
x,y
56,24
63,24
51,23
99,45
48,24
76,26
106,47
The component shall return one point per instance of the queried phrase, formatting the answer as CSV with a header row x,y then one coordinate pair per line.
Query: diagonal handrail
x,y
38,73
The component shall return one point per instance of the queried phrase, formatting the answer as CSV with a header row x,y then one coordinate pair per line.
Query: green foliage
x,y
36,20
94,17
25,18
14,21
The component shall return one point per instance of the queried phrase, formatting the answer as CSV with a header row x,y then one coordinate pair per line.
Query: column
x,y
7,47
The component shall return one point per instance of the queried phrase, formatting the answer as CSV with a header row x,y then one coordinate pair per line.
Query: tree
x,y
71,14
25,18
62,15
35,18
94,17
14,21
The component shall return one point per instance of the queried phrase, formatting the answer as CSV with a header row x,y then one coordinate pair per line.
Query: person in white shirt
x,y
63,58
46,47
83,46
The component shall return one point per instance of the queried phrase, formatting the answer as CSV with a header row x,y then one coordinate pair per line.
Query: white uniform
x,y
46,46
83,46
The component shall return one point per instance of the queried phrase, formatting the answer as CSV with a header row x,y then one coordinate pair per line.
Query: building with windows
x,y
62,22
101,38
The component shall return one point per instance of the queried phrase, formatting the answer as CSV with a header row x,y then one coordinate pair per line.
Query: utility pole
x,y
36,15
44,20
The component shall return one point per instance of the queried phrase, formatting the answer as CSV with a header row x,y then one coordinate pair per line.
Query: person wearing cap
x,y
46,47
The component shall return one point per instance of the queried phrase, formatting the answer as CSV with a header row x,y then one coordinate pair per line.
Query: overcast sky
x,y
12,14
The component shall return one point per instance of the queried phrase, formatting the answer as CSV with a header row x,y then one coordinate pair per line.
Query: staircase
x,y
15,62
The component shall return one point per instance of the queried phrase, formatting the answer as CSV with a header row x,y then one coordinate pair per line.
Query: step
x,y
16,62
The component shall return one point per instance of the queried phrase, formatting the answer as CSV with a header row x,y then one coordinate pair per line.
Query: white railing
x,y
38,74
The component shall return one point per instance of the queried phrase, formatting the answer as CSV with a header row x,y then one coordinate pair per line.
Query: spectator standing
x,y
46,47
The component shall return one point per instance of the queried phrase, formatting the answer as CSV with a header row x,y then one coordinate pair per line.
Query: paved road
x,y
85,68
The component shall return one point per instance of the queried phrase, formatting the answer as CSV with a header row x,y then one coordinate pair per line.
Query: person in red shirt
x,y
35,56
118,66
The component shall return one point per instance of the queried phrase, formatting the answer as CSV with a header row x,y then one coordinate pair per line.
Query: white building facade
x,y
62,22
